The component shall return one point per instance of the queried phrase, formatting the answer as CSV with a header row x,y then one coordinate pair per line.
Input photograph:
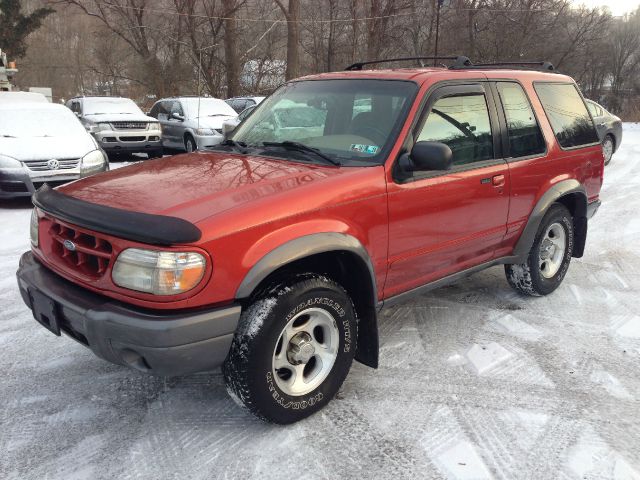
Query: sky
x,y
617,7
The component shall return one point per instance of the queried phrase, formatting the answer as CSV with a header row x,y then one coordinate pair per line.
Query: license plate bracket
x,y
45,311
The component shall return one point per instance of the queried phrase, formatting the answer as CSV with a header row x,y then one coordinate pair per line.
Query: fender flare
x,y
300,248
306,246
552,195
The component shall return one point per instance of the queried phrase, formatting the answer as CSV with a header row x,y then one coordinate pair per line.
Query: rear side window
x,y
462,122
525,137
567,114
595,109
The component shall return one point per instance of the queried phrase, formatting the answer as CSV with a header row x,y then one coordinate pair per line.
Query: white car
x,y
191,123
6,97
44,143
118,125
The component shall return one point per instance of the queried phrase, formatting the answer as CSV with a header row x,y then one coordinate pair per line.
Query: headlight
x,y
103,126
92,162
33,227
204,131
157,272
153,126
9,162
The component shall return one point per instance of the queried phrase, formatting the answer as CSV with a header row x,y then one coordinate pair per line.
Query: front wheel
x,y
190,144
292,350
549,257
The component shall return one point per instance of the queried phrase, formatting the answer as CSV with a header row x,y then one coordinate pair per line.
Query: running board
x,y
404,296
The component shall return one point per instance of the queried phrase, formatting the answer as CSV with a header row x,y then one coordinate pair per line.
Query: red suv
x,y
340,194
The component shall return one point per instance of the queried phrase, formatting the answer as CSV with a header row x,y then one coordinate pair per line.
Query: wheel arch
x,y
570,193
341,257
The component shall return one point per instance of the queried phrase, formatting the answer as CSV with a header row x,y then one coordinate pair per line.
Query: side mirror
x,y
177,116
77,114
427,156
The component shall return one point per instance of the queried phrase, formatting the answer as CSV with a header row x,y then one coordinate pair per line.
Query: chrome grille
x,y
129,125
42,165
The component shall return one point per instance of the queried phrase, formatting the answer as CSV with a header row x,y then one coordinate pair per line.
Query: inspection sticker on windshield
x,y
357,147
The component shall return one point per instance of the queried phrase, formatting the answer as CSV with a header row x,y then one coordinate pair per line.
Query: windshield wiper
x,y
301,147
218,115
8,136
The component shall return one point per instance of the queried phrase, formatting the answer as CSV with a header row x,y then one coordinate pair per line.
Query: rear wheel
x,y
292,350
549,257
608,145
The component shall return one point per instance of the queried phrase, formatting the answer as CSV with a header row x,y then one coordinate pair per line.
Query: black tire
x,y
609,138
155,154
528,278
248,369
190,144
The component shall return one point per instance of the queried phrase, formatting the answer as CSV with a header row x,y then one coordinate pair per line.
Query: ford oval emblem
x,y
69,245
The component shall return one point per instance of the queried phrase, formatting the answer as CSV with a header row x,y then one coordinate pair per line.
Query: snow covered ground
x,y
475,382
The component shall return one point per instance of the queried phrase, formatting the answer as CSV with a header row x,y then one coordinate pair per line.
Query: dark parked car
x,y
609,129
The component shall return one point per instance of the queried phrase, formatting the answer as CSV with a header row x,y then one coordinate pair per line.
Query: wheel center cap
x,y
300,349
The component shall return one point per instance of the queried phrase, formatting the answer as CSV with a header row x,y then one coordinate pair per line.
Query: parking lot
x,y
475,382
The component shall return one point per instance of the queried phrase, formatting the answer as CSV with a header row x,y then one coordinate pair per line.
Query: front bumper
x,y
158,342
204,141
23,182
129,141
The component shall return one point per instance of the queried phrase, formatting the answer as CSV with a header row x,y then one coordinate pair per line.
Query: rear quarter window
x,y
567,114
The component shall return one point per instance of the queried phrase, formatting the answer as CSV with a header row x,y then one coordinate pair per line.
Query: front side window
x,y
595,109
462,122
567,114
352,121
525,137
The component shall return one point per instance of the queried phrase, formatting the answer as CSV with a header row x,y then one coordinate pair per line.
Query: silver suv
x,y
191,123
118,125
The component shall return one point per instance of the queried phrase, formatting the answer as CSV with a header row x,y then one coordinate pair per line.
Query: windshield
x,y
351,121
101,106
35,122
209,107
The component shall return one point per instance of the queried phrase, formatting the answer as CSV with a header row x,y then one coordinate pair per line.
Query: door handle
x,y
497,180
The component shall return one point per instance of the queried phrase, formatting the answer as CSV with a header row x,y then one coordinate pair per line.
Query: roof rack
x,y
542,66
459,61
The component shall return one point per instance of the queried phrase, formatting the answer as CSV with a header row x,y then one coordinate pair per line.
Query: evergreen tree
x,y
15,26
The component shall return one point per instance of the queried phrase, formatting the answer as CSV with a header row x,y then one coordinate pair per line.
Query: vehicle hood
x,y
200,185
46,148
210,122
119,117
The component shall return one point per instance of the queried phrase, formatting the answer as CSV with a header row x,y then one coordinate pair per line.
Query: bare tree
x,y
291,12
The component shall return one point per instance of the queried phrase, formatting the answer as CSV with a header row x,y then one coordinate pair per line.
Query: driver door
x,y
443,222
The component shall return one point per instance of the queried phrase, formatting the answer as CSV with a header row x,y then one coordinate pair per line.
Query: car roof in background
x,y
21,97
38,106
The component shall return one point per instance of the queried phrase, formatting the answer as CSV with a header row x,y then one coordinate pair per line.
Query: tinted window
x,y
245,113
155,110
525,137
567,114
462,122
